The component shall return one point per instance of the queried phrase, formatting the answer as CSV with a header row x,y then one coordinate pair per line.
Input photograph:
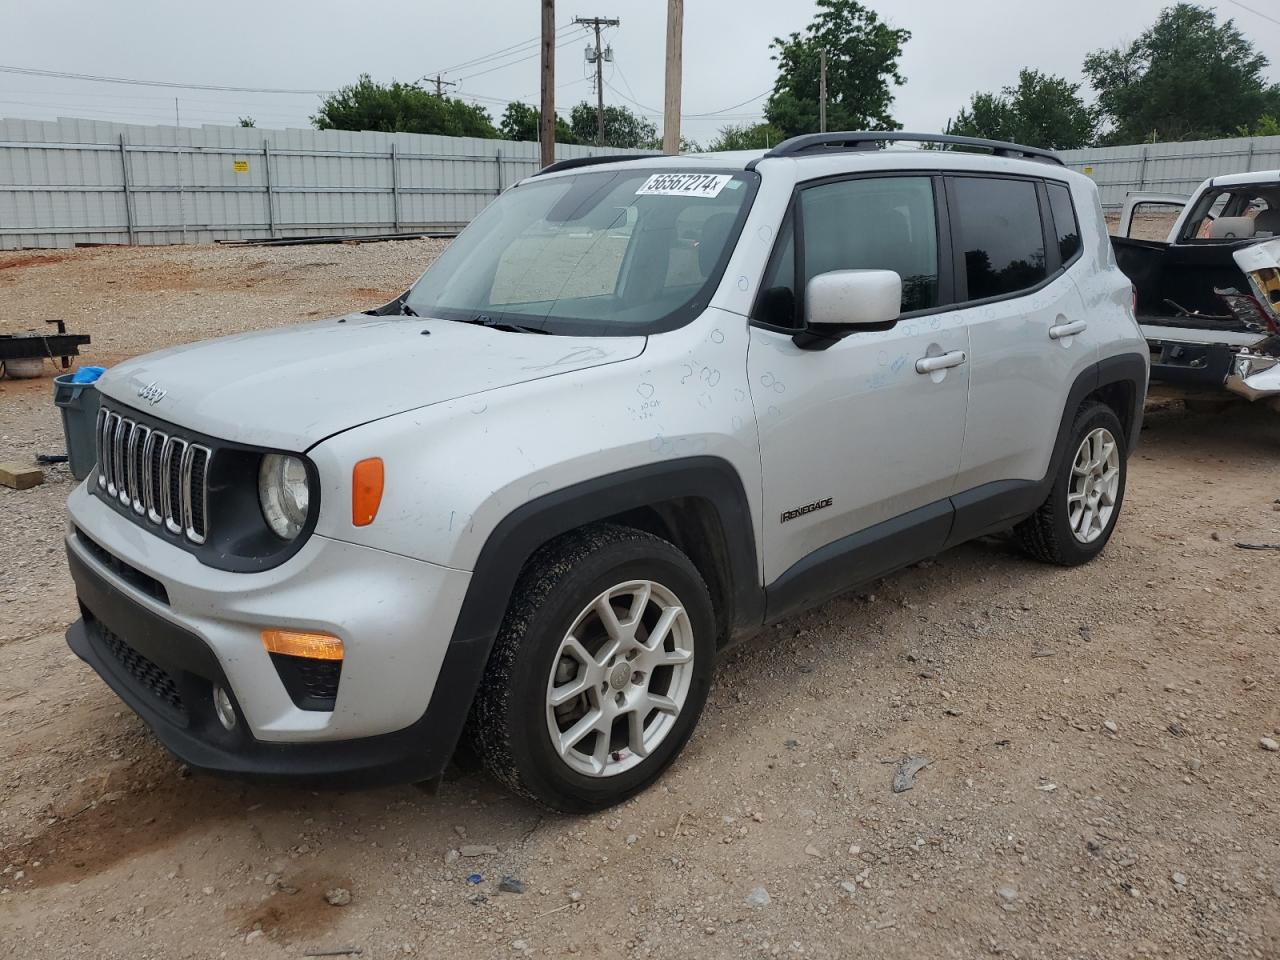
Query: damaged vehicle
x,y
638,410
1207,294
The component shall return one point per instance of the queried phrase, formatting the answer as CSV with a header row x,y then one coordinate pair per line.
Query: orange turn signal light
x,y
296,643
366,491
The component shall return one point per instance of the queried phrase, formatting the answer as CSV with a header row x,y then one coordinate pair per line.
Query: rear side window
x,y
999,232
1064,221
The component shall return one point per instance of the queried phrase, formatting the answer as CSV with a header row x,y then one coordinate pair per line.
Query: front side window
x,y
999,233
601,252
875,223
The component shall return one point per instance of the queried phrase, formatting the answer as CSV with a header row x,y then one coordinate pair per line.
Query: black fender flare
x,y
532,524
998,505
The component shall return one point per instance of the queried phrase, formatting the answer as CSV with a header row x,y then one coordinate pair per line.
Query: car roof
x,y
1245,179
807,166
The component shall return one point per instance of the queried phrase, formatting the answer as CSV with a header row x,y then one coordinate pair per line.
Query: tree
x,y
622,128
522,122
1041,110
1266,126
400,108
746,136
1188,77
247,122
862,63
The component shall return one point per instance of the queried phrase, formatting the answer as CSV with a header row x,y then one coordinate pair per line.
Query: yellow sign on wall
x,y
240,166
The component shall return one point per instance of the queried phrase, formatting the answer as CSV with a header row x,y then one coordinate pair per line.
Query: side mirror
x,y
845,298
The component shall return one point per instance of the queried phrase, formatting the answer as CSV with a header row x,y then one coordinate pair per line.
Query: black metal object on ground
x,y
336,238
61,345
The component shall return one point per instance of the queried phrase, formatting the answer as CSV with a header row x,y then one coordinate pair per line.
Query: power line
x,y
62,74
1256,13
716,113
512,63
534,41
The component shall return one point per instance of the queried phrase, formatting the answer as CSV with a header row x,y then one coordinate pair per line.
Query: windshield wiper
x,y
484,320
407,311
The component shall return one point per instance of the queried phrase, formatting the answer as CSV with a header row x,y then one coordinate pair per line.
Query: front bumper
x,y
162,630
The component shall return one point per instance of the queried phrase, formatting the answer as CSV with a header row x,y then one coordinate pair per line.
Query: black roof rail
x,y
876,139
574,162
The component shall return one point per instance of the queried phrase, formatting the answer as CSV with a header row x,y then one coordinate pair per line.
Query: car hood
x,y
293,386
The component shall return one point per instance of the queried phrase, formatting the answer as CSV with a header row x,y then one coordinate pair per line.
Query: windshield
x,y
597,253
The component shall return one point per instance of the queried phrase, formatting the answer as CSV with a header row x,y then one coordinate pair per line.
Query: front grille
x,y
157,475
155,680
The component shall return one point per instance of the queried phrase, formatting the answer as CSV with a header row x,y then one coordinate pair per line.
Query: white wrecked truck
x,y
1208,295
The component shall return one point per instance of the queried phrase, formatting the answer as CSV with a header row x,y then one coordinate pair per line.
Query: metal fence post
x,y
271,206
395,190
1248,162
128,193
1142,170
497,159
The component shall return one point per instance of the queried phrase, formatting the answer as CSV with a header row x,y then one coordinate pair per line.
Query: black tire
x,y
1047,535
507,727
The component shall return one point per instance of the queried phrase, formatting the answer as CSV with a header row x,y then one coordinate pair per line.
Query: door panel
x,y
1031,336
856,424
871,427
1020,375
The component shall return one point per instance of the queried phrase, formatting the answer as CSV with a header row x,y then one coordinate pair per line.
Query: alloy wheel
x,y
1095,482
620,678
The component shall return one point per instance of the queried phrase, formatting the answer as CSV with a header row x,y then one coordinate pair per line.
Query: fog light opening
x,y
223,708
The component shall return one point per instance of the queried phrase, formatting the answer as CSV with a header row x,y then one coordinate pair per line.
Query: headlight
x,y
283,493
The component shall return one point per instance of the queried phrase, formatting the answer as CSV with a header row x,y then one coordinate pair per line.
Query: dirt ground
x,y
1096,786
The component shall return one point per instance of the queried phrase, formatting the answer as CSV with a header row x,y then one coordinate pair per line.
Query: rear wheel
x,y
599,672
1074,524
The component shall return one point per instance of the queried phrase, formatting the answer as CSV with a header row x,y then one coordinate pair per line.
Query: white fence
x,y
1176,168
70,181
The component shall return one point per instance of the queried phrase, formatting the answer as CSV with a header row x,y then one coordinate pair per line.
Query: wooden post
x,y
671,106
547,121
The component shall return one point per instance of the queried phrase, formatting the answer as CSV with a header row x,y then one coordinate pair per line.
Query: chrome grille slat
x,y
99,433
137,446
109,451
161,478
151,456
120,458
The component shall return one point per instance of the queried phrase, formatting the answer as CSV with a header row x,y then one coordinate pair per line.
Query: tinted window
x,y
998,224
1064,221
877,223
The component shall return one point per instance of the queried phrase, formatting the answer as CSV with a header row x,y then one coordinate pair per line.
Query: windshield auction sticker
x,y
684,185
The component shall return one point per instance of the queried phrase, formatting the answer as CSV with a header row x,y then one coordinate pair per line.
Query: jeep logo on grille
x,y
151,393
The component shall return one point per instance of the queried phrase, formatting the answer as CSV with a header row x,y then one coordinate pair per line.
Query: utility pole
x,y
598,57
671,105
547,120
440,84
822,90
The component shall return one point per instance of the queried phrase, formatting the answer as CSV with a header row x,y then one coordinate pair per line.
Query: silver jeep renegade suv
x,y
637,410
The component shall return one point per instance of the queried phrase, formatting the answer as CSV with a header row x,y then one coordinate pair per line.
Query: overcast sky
x,y
957,47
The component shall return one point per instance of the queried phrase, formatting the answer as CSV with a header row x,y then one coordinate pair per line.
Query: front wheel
x,y
1076,521
599,672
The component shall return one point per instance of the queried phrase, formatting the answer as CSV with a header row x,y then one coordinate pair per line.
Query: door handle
x,y
1067,329
943,362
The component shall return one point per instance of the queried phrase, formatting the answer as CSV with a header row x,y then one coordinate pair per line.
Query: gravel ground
x,y
1097,782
